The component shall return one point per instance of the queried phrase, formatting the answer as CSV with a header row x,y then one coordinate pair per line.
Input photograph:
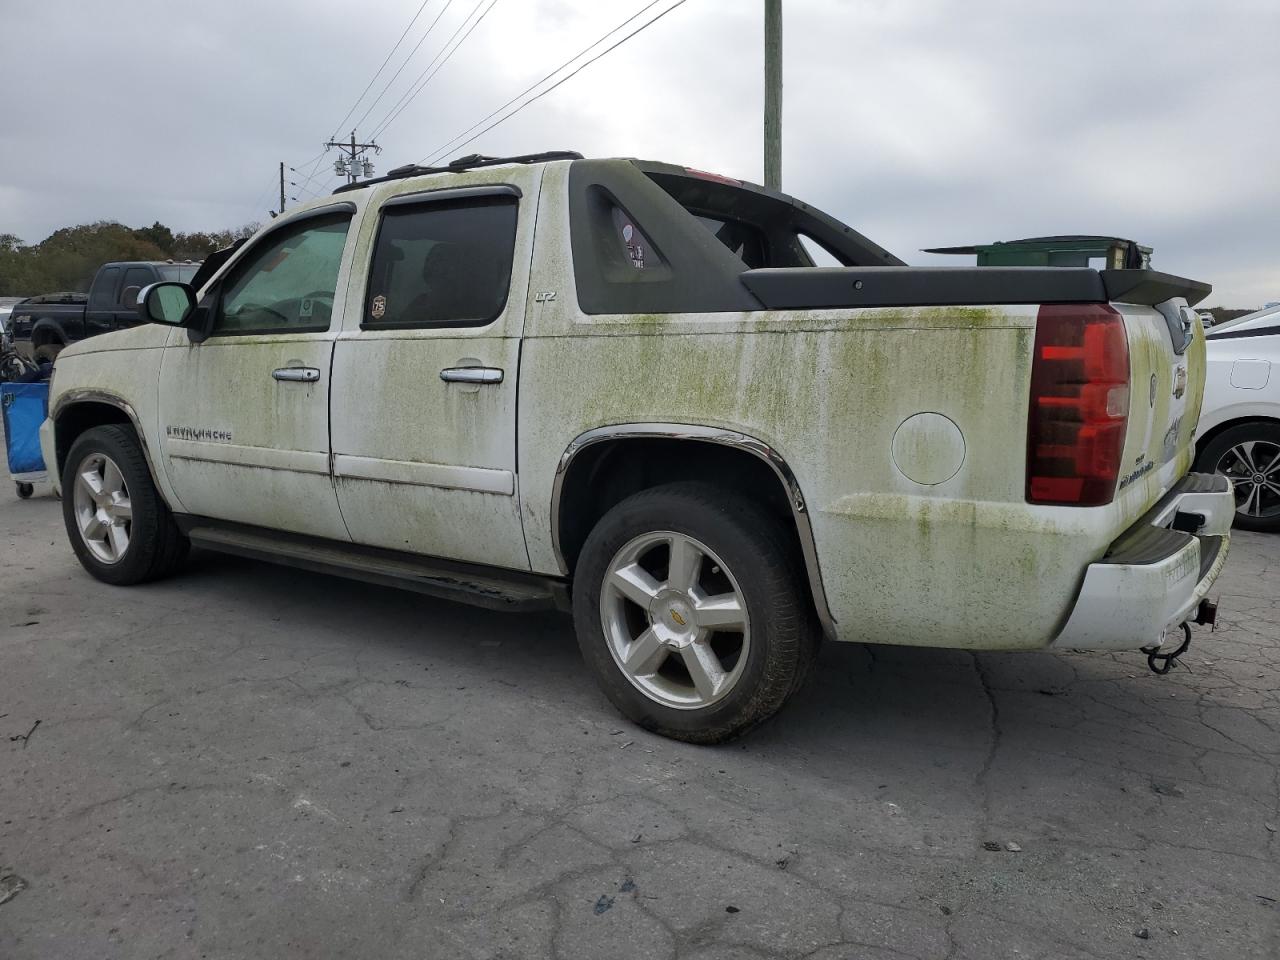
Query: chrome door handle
x,y
471,375
302,374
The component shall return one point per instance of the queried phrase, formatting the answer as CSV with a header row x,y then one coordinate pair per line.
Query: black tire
x,y
1215,457
47,352
25,490
757,551
156,546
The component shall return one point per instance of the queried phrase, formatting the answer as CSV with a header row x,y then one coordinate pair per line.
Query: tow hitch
x,y
1162,663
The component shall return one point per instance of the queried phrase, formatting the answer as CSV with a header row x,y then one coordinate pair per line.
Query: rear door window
x,y
442,263
103,294
135,278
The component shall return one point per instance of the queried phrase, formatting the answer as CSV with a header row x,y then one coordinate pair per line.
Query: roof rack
x,y
470,162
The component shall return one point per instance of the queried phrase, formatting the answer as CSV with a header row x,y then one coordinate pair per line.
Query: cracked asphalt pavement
x,y
251,761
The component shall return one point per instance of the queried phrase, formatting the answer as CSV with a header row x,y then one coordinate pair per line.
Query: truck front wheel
x,y
120,528
689,610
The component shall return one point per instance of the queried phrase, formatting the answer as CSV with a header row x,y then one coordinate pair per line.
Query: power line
x,y
435,154
415,90
534,86
378,73
400,69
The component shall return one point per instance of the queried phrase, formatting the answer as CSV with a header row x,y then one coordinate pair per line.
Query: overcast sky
x,y
920,122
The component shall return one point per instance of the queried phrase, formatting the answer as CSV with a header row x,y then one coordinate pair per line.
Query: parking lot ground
x,y
251,761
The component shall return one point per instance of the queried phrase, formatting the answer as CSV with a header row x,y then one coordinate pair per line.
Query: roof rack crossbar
x,y
470,162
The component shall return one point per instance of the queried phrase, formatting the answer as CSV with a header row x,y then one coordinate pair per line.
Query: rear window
x,y
443,263
180,272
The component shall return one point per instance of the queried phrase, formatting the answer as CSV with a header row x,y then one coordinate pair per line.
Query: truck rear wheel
x,y
1249,456
119,527
47,352
689,610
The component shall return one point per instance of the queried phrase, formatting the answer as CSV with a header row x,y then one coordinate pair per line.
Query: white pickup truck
x,y
623,388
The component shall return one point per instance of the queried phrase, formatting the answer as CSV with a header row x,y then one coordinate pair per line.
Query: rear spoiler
x,y
815,288
1151,287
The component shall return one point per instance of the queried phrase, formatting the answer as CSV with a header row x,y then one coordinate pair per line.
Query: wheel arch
x,y
79,410
603,466
46,332
1203,441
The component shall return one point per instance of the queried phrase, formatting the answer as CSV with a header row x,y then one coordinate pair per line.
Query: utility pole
x,y
282,186
773,94
355,161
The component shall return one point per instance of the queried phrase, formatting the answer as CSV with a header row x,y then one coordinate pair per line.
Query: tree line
x,y
68,258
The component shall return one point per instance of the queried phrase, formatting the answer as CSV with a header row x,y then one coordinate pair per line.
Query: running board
x,y
493,588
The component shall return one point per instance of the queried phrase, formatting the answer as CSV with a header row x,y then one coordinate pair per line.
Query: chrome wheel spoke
x,y
112,481
1270,468
721,612
94,528
645,654
1252,502
122,509
685,563
1244,452
635,583
91,482
119,539
704,669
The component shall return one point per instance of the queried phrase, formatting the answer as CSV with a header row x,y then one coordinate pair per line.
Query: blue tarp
x,y
25,405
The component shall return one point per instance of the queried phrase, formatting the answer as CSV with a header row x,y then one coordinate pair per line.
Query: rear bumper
x,y
1153,578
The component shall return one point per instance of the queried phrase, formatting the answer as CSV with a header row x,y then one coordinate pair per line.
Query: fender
x,y
728,438
75,396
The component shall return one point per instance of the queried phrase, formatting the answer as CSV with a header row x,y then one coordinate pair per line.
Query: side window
x,y
286,284
135,278
103,295
441,264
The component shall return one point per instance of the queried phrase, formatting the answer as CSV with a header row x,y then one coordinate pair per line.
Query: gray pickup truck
x,y
42,326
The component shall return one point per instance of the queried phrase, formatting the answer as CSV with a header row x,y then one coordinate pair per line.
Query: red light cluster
x,y
1079,405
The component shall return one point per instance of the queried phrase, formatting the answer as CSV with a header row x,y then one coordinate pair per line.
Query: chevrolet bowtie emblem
x,y
675,615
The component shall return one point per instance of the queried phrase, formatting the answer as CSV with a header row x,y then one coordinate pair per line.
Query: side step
x,y
489,587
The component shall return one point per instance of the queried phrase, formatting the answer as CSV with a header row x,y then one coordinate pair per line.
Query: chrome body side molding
x,y
700,434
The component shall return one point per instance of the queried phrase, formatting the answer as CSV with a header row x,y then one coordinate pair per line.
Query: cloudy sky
x,y
920,122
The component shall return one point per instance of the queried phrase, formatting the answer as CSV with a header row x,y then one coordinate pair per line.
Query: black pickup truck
x,y
42,326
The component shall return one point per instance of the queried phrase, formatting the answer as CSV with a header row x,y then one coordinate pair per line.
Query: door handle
x,y
471,374
301,374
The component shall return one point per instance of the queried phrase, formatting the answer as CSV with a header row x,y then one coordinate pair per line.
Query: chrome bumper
x,y
1153,578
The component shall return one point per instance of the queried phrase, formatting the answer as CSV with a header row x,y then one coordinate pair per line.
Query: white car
x,y
1239,431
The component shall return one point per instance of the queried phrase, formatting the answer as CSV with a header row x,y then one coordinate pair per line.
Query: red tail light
x,y
1079,405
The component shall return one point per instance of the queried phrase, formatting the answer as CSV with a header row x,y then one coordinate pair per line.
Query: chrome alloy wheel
x,y
1253,467
675,620
103,512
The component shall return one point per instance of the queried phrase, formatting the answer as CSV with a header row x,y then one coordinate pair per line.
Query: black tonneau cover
x,y
815,288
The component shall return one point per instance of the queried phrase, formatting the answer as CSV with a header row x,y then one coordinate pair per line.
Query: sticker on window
x,y
632,238
379,307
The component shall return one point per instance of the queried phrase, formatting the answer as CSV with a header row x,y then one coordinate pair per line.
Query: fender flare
x,y
77,396
47,324
728,438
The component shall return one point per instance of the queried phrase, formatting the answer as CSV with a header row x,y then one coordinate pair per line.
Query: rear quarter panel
x,y
954,557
